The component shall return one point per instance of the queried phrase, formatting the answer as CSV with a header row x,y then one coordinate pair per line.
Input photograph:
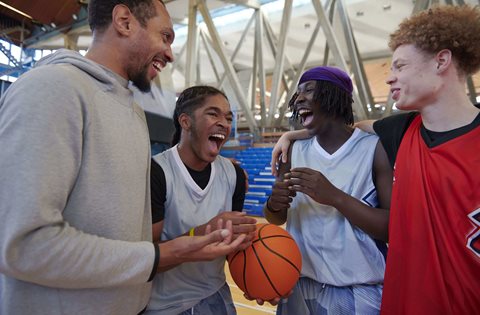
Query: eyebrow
x,y
394,64
218,110
171,33
396,61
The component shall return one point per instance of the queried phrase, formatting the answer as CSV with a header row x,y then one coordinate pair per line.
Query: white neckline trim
x,y
325,154
188,178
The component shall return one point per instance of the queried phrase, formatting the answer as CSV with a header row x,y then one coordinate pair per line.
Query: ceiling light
x,y
15,10
53,25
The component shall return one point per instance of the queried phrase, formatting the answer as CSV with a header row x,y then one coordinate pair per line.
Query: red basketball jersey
x,y
433,263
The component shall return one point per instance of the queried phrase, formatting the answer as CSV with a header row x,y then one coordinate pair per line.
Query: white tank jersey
x,y
186,206
333,250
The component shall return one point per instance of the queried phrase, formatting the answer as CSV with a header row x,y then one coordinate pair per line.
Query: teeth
x,y
218,135
157,65
304,111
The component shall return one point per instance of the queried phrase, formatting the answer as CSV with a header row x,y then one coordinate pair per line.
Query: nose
x,y
224,122
299,97
169,55
390,78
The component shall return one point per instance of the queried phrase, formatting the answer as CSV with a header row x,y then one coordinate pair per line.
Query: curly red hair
x,y
456,28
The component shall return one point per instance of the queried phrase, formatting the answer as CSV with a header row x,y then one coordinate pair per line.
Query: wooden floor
x,y
244,306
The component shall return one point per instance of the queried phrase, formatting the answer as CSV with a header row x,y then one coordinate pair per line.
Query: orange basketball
x,y
270,267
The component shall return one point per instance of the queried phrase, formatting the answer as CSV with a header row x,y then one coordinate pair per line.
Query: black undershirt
x,y
201,178
392,129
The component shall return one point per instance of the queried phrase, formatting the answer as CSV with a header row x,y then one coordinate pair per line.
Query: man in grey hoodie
x,y
76,228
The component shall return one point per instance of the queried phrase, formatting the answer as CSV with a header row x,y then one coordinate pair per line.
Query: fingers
x,y
244,228
260,301
229,228
208,229
285,152
304,173
241,223
273,162
217,236
237,217
219,224
281,194
275,301
234,246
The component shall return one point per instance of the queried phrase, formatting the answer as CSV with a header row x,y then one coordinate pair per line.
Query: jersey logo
x,y
371,198
473,242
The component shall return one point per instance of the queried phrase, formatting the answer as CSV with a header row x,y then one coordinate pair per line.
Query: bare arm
x,y
281,147
276,207
365,125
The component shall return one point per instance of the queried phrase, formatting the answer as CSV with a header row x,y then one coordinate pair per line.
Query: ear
x,y
122,19
185,121
443,59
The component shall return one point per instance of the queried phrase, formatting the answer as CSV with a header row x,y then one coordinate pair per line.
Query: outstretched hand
x,y
201,248
241,224
313,184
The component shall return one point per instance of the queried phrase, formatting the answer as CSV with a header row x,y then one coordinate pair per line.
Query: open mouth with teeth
x,y
157,65
306,116
216,141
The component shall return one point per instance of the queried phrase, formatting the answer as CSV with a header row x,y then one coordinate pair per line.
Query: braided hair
x,y
332,100
188,101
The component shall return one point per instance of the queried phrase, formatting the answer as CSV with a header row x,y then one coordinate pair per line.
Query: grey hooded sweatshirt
x,y
75,220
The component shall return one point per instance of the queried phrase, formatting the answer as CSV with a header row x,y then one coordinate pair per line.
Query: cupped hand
x,y
313,184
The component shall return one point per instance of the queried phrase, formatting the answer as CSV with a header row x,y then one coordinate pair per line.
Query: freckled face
x,y
413,78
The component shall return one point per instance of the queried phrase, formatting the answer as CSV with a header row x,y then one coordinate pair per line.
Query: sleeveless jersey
x,y
333,250
434,227
187,206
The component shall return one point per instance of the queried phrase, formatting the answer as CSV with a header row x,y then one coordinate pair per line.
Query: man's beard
x,y
140,80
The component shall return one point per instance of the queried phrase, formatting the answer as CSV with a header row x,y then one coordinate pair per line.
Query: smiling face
x,y
304,103
413,79
211,125
150,50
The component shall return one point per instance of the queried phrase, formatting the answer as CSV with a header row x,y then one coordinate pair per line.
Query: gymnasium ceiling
x,y
371,20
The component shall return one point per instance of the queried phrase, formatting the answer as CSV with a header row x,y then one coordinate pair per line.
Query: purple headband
x,y
330,74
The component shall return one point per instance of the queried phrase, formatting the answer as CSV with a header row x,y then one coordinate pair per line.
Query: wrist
x,y
337,198
269,207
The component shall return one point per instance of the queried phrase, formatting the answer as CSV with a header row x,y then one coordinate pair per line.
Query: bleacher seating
x,y
256,162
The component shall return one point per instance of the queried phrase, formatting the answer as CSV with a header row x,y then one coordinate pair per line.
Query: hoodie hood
x,y
70,57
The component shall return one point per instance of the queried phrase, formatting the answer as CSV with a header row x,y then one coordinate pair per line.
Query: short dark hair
x,y
332,100
188,101
100,11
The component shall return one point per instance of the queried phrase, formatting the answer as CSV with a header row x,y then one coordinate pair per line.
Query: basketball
x,y
270,267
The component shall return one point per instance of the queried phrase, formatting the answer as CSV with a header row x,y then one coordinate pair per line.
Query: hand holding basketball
x,y
269,268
